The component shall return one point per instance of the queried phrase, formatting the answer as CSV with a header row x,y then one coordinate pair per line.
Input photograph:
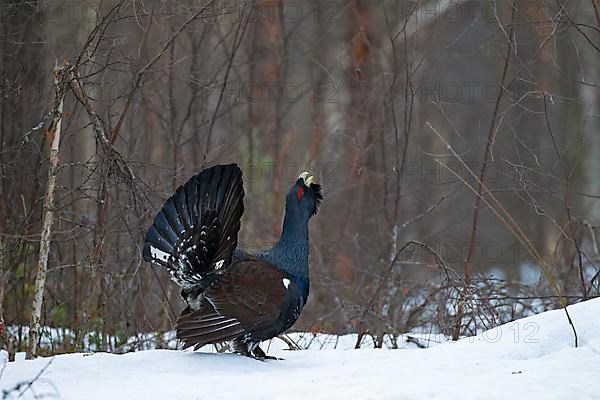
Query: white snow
x,y
532,358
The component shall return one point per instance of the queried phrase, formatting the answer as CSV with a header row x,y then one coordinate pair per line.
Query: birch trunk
x,y
42,271
3,279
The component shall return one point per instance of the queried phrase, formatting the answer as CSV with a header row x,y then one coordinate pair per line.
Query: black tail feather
x,y
198,225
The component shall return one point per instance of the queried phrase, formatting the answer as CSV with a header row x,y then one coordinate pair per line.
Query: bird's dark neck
x,y
290,253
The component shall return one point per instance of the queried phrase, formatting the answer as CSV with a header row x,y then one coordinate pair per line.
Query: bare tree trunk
x,y
40,280
3,279
6,341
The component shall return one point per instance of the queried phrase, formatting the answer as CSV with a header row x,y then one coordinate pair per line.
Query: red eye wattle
x,y
299,193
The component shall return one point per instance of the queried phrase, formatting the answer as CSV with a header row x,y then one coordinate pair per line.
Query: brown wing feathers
x,y
206,326
248,297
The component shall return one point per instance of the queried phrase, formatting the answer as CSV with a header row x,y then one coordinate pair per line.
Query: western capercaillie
x,y
232,295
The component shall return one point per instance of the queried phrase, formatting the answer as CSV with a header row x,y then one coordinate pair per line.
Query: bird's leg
x,y
261,355
241,348
255,352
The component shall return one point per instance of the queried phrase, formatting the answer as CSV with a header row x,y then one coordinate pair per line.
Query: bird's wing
x,y
251,295
196,231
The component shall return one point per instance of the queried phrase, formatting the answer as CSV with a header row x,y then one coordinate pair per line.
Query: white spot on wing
x,y
286,282
219,264
158,254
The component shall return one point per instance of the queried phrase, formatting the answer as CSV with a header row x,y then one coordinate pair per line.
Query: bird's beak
x,y
307,178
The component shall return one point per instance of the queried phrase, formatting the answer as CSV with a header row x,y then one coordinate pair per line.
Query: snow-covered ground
x,y
532,358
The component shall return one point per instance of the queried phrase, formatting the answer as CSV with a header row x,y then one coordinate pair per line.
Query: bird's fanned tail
x,y
196,231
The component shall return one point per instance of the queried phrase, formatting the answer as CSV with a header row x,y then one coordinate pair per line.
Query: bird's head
x,y
304,197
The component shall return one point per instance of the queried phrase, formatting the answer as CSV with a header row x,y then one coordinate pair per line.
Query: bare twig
x,y
486,155
566,199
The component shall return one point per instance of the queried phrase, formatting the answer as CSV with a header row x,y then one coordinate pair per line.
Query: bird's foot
x,y
257,357
259,354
